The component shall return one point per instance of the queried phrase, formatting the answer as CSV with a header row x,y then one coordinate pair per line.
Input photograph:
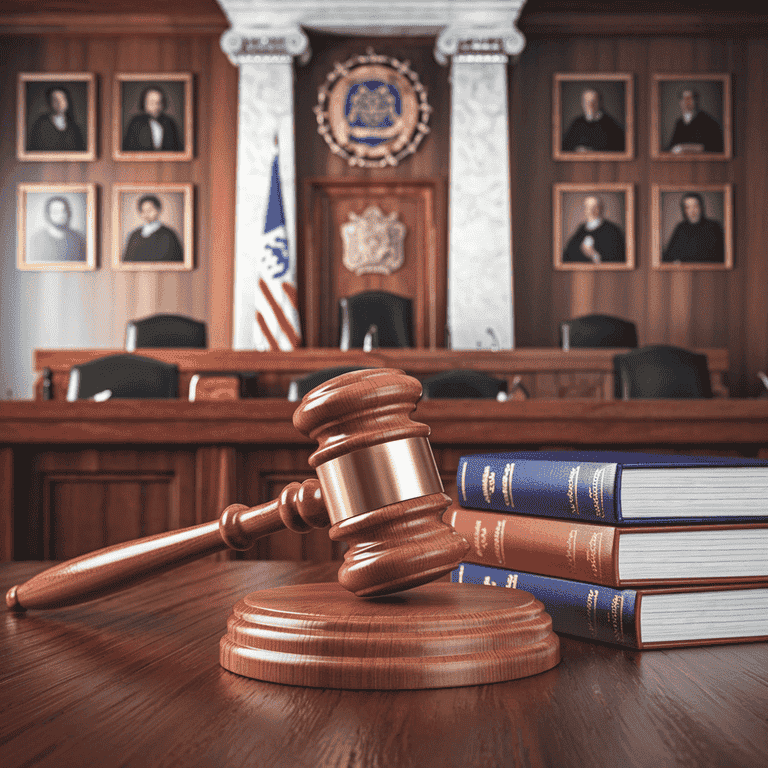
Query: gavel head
x,y
379,480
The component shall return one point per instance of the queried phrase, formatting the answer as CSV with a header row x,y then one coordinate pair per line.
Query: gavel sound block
x,y
378,481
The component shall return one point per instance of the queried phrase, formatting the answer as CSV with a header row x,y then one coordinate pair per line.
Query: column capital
x,y
266,45
479,44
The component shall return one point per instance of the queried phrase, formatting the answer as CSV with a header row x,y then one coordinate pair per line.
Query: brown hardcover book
x,y
615,556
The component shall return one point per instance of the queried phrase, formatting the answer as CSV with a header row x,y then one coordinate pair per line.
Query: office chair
x,y
303,384
165,331
460,383
661,370
392,316
123,376
597,331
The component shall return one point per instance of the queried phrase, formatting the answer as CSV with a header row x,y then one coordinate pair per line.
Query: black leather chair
x,y
303,384
661,370
165,331
597,331
392,316
460,383
123,376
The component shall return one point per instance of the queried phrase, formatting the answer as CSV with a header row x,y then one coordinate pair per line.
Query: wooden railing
x,y
545,373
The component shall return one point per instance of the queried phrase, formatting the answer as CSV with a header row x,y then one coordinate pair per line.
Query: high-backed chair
x,y
661,370
460,383
597,331
303,384
123,376
165,331
392,316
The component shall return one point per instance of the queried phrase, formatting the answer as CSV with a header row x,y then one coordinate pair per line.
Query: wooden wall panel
x,y
690,309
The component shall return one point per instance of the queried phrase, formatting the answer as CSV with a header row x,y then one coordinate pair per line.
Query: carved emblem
x,y
372,110
373,242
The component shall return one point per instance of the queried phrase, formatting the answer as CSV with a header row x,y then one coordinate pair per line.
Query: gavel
x,y
377,487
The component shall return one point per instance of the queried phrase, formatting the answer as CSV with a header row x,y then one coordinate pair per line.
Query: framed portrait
x,y
152,227
594,226
691,117
692,226
56,227
56,116
153,117
593,116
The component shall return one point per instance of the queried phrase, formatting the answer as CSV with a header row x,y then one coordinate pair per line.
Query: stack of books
x,y
640,550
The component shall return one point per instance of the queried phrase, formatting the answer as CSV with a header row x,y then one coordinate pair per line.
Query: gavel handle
x,y
299,507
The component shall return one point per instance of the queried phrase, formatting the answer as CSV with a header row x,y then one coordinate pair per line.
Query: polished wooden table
x,y
133,680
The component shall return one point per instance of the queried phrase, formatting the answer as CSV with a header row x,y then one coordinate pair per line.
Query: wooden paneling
x,y
706,308
330,203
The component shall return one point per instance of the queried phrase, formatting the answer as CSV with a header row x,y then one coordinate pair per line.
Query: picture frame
x,y
613,239
708,135
56,227
672,236
152,227
164,96
56,116
611,135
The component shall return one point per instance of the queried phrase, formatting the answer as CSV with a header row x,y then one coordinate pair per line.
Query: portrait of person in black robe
x,y
594,130
56,241
696,239
153,241
596,240
153,130
56,130
695,130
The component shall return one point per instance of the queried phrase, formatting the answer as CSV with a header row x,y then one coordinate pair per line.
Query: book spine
x,y
564,489
591,611
559,548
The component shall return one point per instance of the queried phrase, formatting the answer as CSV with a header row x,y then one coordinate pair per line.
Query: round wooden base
x,y
434,636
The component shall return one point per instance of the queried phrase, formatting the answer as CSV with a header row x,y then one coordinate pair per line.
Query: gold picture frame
x,y
163,245
613,240
134,135
615,114
670,236
56,227
712,126
49,129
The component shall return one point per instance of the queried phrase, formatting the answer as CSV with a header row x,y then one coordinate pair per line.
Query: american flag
x,y
276,314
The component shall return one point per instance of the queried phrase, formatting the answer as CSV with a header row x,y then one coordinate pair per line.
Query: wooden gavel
x,y
378,487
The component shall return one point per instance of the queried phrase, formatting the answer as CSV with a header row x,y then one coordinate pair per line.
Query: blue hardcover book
x,y
617,488
651,617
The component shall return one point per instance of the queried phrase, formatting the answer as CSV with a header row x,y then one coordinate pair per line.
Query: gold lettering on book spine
x,y
597,493
592,611
570,549
464,482
573,491
511,581
617,617
506,485
461,573
489,484
594,555
498,541
480,538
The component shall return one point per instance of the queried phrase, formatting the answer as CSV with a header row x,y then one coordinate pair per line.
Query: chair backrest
x,y
597,331
303,384
661,370
391,314
123,376
165,331
463,383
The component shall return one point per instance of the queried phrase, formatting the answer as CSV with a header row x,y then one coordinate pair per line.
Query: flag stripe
x,y
282,320
290,291
267,333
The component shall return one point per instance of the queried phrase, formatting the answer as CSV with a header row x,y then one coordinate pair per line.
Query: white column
x,y
265,110
480,312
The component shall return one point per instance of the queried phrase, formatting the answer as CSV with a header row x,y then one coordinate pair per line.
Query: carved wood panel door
x,y
372,235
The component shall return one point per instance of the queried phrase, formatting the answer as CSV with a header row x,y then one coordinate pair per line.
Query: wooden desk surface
x,y
133,680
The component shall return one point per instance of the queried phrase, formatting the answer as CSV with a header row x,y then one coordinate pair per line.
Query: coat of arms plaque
x,y
373,242
372,110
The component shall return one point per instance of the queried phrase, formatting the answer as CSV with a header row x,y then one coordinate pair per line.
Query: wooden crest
x,y
372,110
